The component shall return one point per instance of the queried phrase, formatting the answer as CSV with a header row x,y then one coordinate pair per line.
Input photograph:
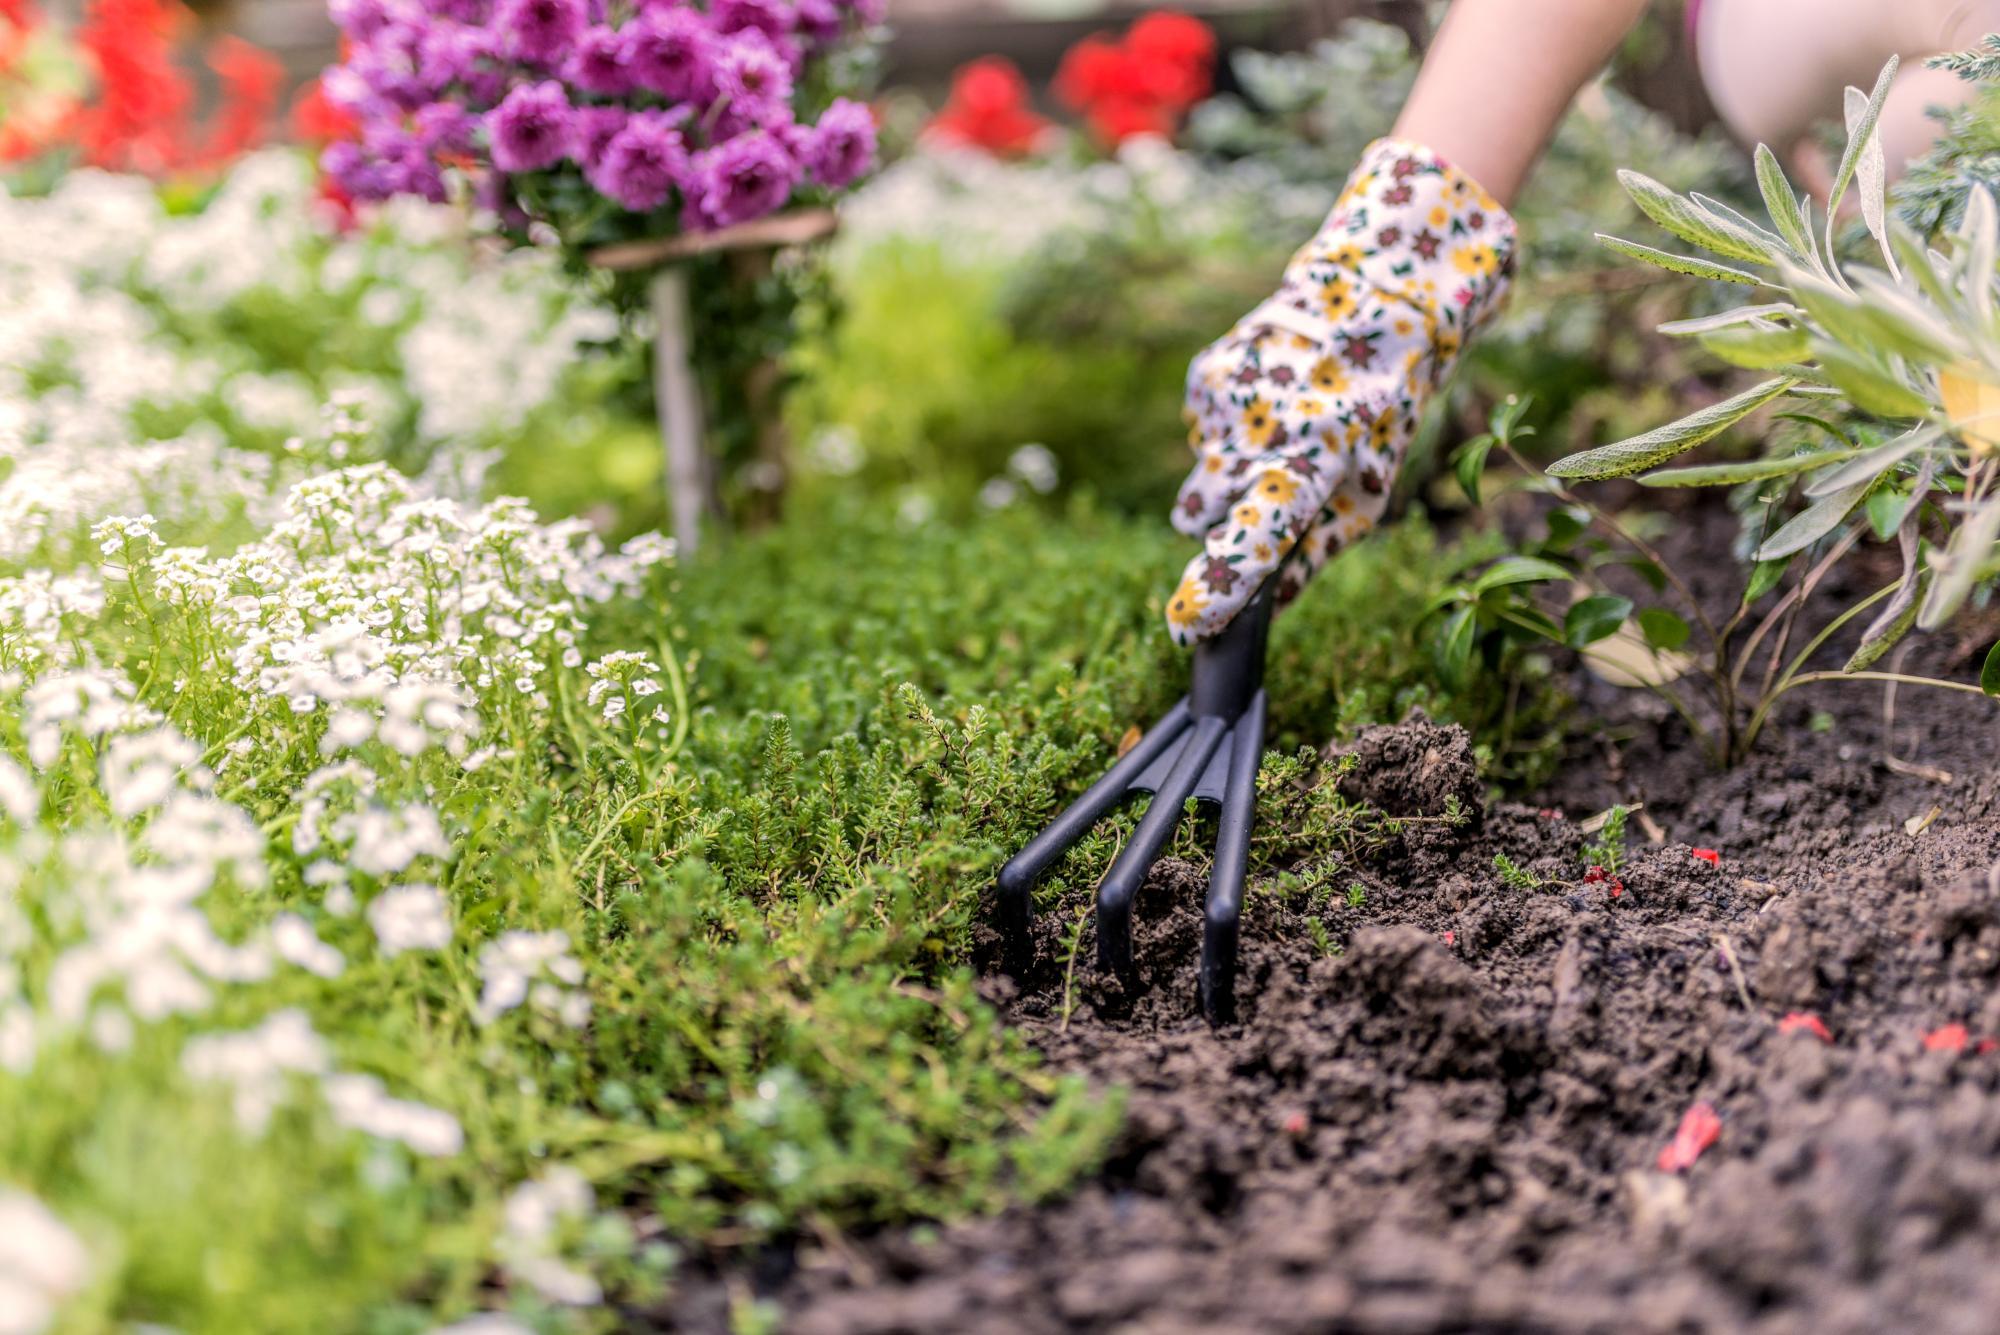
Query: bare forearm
x,y
1499,77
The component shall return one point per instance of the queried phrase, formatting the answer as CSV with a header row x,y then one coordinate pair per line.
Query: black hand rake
x,y
1207,747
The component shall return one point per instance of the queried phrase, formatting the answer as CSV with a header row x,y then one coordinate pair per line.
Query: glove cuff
x,y
1414,230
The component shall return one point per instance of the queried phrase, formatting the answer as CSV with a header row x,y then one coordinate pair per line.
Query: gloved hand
x,y
1300,416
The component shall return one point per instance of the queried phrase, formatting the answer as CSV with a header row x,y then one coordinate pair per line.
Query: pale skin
x,y
1501,73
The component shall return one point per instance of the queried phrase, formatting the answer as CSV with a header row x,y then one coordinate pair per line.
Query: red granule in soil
x,y
1699,1128
1708,855
1451,938
1951,1038
1593,876
1805,1022
1295,1124
1986,1045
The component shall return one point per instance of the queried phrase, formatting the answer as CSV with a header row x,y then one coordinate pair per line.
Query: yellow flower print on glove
x,y
1301,415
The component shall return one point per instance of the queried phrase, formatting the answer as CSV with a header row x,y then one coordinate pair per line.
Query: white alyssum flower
x,y
522,967
537,1216
258,1064
360,1103
410,917
42,1264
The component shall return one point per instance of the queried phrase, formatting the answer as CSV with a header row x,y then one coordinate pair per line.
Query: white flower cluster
x,y
113,305
42,1263
534,968
540,1216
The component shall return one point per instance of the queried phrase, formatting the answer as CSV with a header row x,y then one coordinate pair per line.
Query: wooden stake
x,y
678,395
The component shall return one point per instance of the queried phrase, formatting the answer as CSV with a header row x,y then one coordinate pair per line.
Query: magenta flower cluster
x,y
657,103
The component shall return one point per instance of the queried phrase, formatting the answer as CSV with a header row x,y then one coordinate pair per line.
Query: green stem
x,y
1902,678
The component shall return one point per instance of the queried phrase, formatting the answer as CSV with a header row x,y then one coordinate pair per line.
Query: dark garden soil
x,y
1456,1122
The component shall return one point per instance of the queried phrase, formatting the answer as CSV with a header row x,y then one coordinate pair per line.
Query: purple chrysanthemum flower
x,y
672,52
842,144
464,11
601,62
540,31
741,179
765,16
530,130
449,54
355,172
591,130
756,80
821,20
445,127
359,19
643,162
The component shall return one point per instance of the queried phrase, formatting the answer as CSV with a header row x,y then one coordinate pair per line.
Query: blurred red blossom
x,y
988,109
1140,84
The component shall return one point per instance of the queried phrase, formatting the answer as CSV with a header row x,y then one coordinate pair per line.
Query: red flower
x,y
989,109
1708,855
1116,119
1950,1038
1805,1022
317,121
1698,1130
1090,70
1174,38
250,79
1142,84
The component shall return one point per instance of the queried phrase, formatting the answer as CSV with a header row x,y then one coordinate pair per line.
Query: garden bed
x,y
1454,1121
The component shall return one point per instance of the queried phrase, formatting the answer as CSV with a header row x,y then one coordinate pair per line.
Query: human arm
x,y
1301,415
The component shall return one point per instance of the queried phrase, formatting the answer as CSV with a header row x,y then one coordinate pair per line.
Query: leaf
x,y
1989,673
1514,570
1978,237
1662,629
1917,263
1566,525
1594,618
1895,620
1754,470
1871,464
1870,174
1860,130
1662,443
1469,463
1690,222
1886,507
1970,548
1782,204
1814,522
1882,321
1868,387
1764,577
1455,646
1533,620
1760,347
1706,324
1686,264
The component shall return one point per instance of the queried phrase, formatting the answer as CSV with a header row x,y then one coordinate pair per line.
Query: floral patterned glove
x,y
1301,415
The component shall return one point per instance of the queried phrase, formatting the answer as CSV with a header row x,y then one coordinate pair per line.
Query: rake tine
x,y
1232,861
1121,883
1018,877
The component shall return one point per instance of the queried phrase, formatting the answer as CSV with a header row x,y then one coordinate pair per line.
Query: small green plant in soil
x,y
1888,378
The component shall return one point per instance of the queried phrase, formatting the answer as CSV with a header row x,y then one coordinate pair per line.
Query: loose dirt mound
x,y
1454,1122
